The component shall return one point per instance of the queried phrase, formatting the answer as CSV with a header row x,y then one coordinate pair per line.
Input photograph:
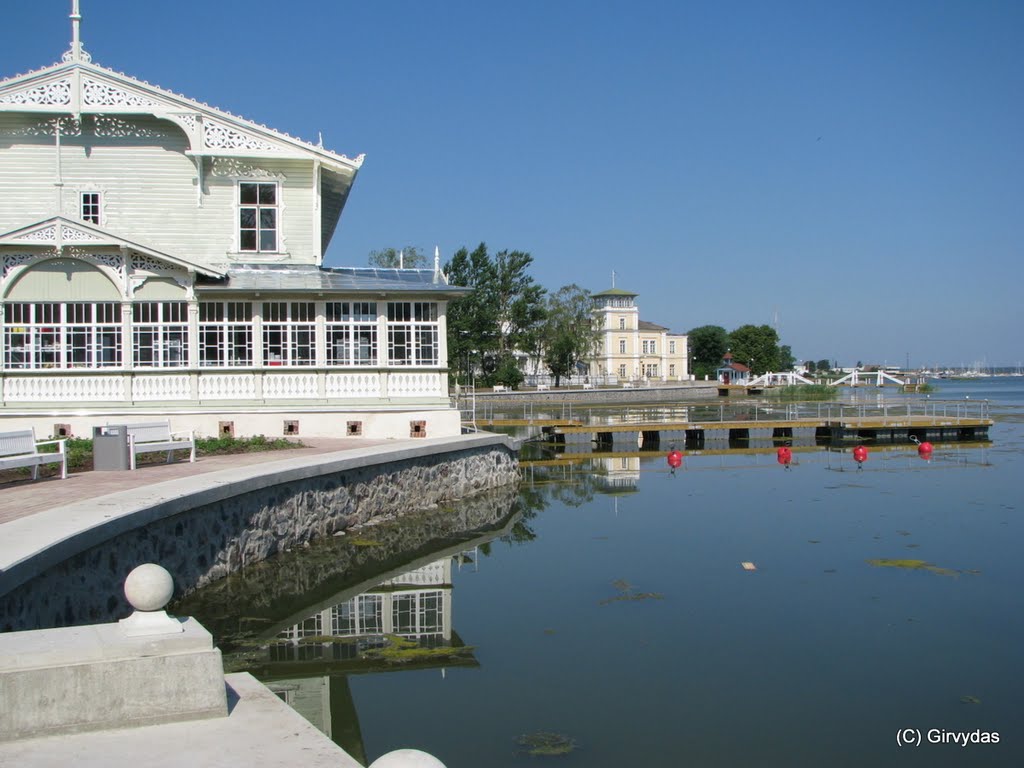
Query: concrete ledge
x,y
260,730
31,545
75,679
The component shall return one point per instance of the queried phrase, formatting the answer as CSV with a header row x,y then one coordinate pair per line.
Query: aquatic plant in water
x,y
546,744
400,650
627,593
913,565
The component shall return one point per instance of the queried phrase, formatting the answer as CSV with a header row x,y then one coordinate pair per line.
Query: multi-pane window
x,y
91,207
671,369
257,216
412,333
671,347
622,371
418,613
160,334
651,370
351,328
622,346
289,333
57,335
650,346
225,333
622,323
361,615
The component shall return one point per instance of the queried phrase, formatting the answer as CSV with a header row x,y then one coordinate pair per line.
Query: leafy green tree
x,y
810,365
708,344
499,318
409,257
756,346
570,335
786,360
824,366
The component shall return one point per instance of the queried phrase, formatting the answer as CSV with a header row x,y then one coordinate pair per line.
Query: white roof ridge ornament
x,y
77,52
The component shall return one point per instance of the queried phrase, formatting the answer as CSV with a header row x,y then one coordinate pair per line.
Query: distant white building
x,y
163,258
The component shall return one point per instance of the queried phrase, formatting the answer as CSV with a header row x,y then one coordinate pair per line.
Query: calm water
x,y
617,613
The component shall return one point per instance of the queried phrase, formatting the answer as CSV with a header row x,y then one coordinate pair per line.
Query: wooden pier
x,y
878,428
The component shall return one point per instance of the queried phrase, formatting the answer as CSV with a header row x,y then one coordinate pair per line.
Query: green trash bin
x,y
110,447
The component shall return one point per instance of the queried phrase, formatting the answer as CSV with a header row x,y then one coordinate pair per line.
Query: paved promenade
x,y
26,497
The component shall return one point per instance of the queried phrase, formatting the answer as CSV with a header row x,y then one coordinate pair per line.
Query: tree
x,y
708,345
810,365
500,317
824,366
786,360
570,335
756,346
408,258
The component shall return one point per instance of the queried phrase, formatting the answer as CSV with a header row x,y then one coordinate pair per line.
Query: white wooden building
x,y
162,258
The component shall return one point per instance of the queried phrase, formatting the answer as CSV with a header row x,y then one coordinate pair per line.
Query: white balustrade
x,y
161,387
350,385
33,389
416,384
227,386
277,386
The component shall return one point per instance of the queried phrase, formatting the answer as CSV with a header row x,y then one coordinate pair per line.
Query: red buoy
x,y
924,450
675,459
860,454
785,455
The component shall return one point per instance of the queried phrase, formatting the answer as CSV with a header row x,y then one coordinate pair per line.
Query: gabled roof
x,y
59,232
77,87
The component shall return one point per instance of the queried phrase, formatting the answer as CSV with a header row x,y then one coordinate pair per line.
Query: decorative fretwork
x,y
97,94
68,127
233,168
115,127
143,262
109,260
219,136
44,235
57,93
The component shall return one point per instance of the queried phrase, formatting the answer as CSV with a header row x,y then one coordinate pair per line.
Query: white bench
x,y
156,436
543,387
588,385
499,388
20,449
627,385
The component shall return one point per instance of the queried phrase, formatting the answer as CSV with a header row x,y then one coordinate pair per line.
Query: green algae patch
x,y
400,650
356,541
912,565
545,744
970,700
627,593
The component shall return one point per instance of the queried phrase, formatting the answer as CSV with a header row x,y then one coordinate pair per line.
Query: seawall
x,y
65,565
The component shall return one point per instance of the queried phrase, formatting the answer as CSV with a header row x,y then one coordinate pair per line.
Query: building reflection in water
x,y
307,664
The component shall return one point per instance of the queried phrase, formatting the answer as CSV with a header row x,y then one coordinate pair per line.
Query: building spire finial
x,y
77,52
613,278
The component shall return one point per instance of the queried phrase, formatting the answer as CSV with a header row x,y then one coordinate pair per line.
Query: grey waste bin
x,y
110,447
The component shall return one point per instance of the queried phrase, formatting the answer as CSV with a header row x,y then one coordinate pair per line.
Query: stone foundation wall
x,y
206,543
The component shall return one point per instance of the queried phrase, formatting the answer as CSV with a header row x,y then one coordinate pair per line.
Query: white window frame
x,y
225,334
414,336
351,329
62,335
289,333
266,237
90,206
160,334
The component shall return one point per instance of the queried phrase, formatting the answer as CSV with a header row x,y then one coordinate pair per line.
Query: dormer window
x,y
90,207
257,216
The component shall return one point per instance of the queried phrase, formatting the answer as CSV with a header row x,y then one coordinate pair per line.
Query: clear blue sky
x,y
853,169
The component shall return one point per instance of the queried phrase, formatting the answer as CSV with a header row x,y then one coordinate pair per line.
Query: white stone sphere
x,y
407,758
149,587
